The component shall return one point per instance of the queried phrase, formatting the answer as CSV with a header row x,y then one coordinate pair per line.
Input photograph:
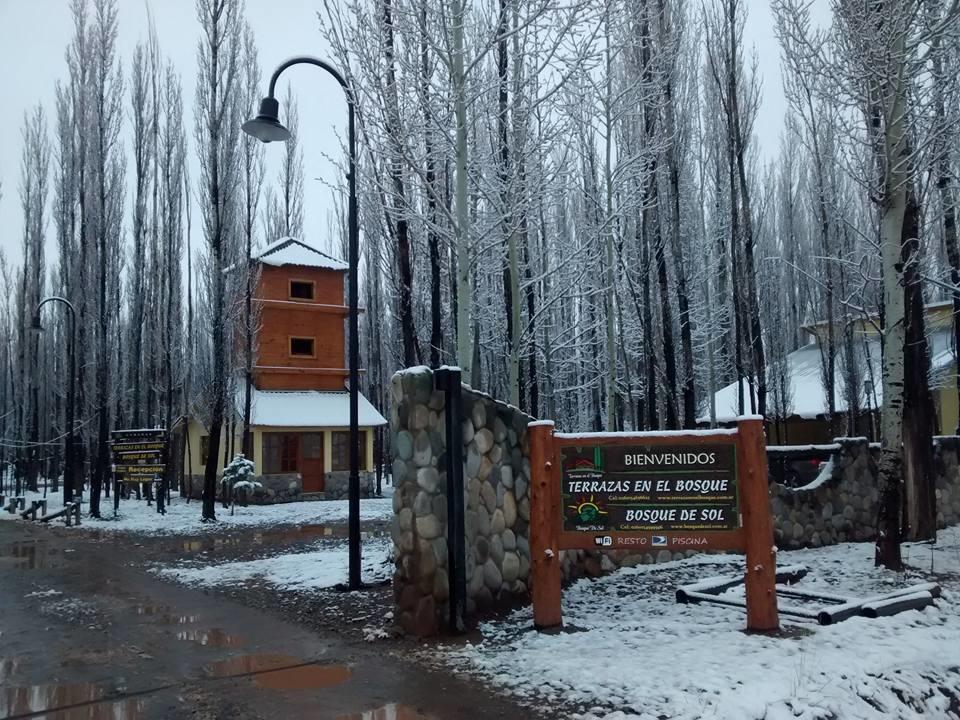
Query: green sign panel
x,y
649,488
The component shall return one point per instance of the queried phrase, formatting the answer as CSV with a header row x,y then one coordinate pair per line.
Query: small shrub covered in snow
x,y
237,477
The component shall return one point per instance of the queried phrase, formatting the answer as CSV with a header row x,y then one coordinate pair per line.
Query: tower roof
x,y
290,251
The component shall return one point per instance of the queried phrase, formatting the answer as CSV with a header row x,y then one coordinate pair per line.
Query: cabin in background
x,y
800,416
300,408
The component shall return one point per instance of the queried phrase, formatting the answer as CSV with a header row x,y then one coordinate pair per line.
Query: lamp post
x,y
266,127
69,444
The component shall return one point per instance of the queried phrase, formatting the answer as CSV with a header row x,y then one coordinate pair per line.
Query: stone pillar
x,y
419,502
496,479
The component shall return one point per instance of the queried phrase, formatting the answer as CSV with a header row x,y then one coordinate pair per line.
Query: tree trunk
x,y
919,479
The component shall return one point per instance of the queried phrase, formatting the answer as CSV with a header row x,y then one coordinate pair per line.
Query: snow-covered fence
x,y
840,503
497,508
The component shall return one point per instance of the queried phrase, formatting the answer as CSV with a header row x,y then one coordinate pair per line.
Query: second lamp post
x,y
266,127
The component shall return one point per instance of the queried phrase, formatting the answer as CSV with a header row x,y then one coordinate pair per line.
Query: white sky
x,y
35,33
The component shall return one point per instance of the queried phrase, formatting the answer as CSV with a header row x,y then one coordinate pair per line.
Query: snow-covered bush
x,y
237,478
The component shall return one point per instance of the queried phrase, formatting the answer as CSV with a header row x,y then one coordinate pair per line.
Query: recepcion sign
x,y
138,455
649,488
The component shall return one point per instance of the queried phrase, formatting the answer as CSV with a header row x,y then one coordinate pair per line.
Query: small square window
x,y
301,347
301,290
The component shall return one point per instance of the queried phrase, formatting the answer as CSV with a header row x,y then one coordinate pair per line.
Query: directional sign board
x,y
138,455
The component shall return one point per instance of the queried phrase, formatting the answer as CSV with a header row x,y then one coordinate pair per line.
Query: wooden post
x,y
544,526
760,579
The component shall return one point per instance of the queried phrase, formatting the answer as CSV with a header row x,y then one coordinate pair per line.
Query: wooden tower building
x,y
300,410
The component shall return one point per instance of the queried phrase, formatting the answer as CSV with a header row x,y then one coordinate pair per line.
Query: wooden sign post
x,y
684,490
138,456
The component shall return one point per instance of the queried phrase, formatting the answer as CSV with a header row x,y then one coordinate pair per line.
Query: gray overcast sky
x,y
35,33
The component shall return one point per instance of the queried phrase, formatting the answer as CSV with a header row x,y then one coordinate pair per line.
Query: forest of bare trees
x,y
566,199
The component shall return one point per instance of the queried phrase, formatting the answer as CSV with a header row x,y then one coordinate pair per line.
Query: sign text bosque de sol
x,y
649,488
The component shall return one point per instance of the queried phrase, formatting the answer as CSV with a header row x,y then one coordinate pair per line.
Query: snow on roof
x,y
291,251
807,398
309,408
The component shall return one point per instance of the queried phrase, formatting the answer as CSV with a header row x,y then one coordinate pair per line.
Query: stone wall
x,y
496,478
336,485
279,488
841,504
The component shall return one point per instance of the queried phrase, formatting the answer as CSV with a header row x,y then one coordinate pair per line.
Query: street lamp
x,y
266,127
69,444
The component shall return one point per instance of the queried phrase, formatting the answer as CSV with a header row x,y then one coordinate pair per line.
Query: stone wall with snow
x,y
841,504
336,484
279,488
497,508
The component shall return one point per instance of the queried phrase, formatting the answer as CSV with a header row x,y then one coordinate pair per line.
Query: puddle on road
x,y
262,537
8,666
28,555
152,609
393,711
212,543
281,672
77,700
215,637
164,614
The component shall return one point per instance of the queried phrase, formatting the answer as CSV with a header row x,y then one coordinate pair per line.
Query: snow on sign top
x,y
290,251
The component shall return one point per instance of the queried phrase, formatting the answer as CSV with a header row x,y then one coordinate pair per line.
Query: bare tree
x,y
216,133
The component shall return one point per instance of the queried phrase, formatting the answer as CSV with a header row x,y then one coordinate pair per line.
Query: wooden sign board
x,y
138,455
648,492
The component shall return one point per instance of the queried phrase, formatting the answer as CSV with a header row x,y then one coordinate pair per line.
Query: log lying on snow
x,y
713,586
836,613
67,512
882,608
35,505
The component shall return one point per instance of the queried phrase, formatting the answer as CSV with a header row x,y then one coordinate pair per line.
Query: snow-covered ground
x,y
316,569
630,651
135,516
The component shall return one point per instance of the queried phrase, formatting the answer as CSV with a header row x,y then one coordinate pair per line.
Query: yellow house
x,y
801,417
300,410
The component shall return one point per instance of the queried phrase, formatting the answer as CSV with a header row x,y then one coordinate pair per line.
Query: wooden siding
x,y
280,379
327,284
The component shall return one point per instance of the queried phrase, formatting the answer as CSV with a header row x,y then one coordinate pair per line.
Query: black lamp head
x,y
266,126
35,325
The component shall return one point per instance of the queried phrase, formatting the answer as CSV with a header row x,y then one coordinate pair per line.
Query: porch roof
x,y
308,408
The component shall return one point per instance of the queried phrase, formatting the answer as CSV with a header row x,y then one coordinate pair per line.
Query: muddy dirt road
x,y
87,633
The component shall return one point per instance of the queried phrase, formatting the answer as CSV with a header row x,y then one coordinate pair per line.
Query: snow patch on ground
x,y
135,516
630,651
317,569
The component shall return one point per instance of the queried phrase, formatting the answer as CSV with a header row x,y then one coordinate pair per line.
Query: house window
x,y
301,290
301,347
340,449
279,453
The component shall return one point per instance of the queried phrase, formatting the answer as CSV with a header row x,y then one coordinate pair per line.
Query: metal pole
x,y
68,471
353,260
69,441
353,504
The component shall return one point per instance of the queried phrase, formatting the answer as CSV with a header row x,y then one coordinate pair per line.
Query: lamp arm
x,y
57,298
309,60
